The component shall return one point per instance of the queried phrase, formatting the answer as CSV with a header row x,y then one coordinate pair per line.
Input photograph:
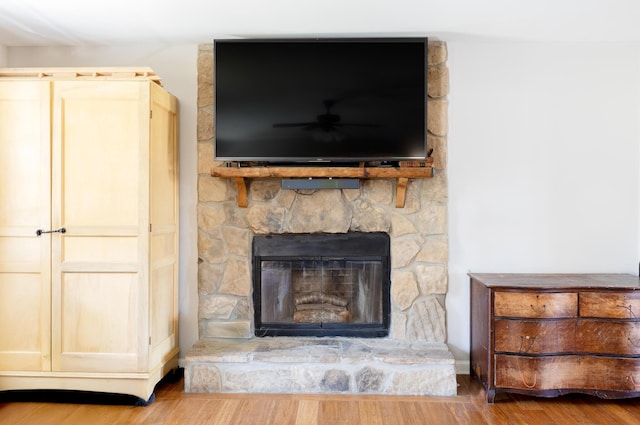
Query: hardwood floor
x,y
173,406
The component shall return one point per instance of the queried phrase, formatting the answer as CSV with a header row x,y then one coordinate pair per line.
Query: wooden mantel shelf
x,y
401,174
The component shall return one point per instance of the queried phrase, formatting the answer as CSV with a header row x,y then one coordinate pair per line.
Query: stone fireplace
x,y
411,359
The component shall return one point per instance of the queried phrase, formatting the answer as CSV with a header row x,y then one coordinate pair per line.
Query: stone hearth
x,y
413,359
321,365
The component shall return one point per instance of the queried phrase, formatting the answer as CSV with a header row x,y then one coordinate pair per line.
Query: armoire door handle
x,y
39,232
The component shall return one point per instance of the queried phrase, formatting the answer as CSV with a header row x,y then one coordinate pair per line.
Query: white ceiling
x,y
118,22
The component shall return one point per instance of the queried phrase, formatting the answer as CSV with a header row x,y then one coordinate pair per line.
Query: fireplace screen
x,y
322,285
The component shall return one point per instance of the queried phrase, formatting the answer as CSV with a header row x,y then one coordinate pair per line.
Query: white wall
x,y
543,163
176,65
543,159
3,56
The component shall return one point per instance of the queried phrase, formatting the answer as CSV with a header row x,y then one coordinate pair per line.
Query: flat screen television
x,y
320,100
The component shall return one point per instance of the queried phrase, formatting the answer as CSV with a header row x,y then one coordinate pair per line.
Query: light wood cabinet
x,y
92,159
548,335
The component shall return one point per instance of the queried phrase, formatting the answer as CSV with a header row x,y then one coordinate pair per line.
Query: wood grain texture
x,y
304,172
402,174
534,336
94,307
173,406
552,281
75,73
610,305
535,305
584,336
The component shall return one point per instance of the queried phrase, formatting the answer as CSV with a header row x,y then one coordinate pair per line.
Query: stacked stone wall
x,y
419,231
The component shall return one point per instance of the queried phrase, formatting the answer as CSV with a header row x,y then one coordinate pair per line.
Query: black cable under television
x,y
320,100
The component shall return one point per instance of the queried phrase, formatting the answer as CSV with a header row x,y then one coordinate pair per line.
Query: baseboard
x,y
463,367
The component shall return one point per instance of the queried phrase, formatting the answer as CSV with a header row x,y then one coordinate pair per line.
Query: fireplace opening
x,y
322,284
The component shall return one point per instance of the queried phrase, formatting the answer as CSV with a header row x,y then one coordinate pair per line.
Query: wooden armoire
x,y
88,230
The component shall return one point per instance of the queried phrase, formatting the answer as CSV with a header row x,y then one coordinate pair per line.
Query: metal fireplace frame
x,y
373,246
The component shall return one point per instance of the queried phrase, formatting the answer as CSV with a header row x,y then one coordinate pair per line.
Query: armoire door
x,y
100,197
25,207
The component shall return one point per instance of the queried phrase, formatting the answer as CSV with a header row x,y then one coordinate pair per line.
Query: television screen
x,y
315,100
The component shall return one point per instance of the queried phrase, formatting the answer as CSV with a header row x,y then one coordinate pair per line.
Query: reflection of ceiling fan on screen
x,y
326,127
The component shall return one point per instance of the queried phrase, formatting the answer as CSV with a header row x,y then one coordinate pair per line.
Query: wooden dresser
x,y
552,334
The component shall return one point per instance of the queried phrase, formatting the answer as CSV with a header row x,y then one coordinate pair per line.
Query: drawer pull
x,y
530,340
535,379
630,309
537,310
633,381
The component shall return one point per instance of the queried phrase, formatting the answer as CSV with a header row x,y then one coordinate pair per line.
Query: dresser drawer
x,y
612,305
567,372
607,337
535,336
567,336
535,305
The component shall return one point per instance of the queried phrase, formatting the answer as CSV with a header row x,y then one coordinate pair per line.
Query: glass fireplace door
x,y
322,296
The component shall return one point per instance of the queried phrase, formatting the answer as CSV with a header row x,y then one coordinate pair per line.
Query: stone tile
x,y
321,365
335,381
211,189
369,380
235,216
432,219
435,250
262,190
267,380
210,216
209,276
202,378
398,329
216,307
439,154
435,381
432,279
236,279
238,240
378,191
437,52
435,189
244,310
205,66
404,289
368,217
204,128
265,219
231,329
401,225
438,81
211,249
205,158
403,251
437,122
322,211
427,321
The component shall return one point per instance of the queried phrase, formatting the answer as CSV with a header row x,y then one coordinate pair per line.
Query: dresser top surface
x,y
554,281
